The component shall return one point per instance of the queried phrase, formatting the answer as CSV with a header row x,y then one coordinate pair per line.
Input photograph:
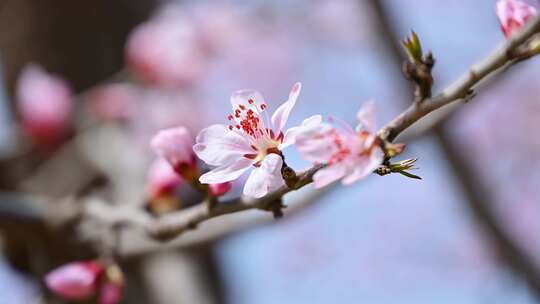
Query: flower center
x,y
342,151
247,120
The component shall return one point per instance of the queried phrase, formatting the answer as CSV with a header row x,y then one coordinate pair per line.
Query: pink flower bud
x,y
513,14
45,105
110,293
162,180
75,281
176,146
220,189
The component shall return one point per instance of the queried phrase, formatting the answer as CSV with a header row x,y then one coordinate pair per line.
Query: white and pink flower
x,y
349,154
513,14
45,105
251,140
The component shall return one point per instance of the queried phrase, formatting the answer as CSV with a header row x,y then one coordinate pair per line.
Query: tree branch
x,y
474,189
462,88
174,224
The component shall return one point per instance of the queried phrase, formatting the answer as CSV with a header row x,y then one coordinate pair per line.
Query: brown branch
x,y
474,189
175,223
502,57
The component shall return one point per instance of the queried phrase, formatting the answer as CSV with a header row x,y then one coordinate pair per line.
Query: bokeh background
x,y
141,65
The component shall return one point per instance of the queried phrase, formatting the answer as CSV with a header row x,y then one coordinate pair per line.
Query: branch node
x,y
289,176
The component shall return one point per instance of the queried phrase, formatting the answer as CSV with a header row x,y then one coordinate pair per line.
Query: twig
x,y
463,86
476,192
173,224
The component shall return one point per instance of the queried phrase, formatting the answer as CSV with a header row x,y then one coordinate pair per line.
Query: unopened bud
x,y
413,47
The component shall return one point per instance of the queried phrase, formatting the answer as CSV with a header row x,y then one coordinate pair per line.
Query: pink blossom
x,y
175,146
165,50
220,189
162,179
513,14
251,140
45,105
349,154
75,281
111,293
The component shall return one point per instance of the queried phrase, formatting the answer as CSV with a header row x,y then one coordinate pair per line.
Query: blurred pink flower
x,y
81,280
250,141
45,105
349,154
113,101
165,50
513,14
162,179
175,146
220,189
111,293
75,281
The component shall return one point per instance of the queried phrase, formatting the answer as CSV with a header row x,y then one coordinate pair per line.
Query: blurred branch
x,y
175,223
475,190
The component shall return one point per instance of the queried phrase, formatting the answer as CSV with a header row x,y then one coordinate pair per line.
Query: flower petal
x,y
265,178
329,175
174,145
281,115
317,144
364,168
226,173
309,124
218,146
366,117
111,293
74,281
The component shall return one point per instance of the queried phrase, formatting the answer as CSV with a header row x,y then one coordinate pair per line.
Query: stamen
x,y
250,101
250,156
271,132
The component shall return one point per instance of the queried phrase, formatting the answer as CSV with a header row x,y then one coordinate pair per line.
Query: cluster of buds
x,y
86,279
176,164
